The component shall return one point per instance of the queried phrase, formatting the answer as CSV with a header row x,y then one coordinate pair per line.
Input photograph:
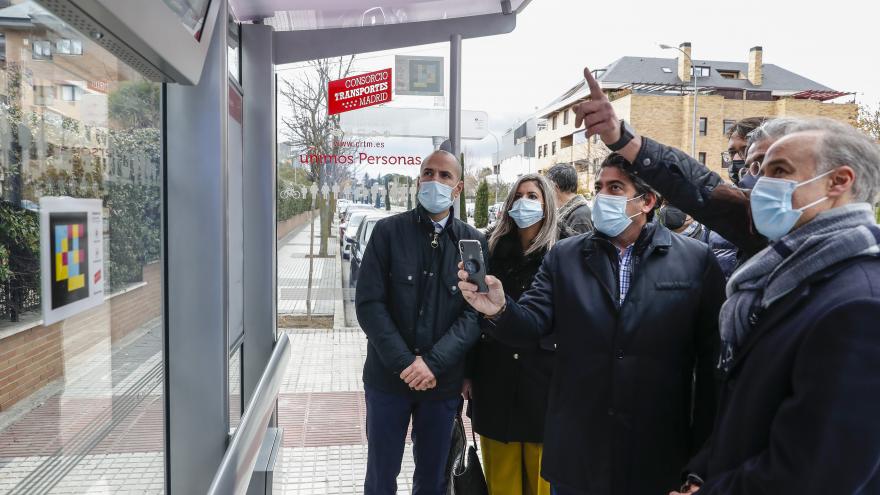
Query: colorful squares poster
x,y
71,245
69,271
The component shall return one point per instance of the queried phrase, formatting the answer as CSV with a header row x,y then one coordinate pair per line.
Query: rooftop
x,y
660,76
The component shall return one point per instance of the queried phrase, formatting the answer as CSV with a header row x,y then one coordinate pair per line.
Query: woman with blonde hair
x,y
507,387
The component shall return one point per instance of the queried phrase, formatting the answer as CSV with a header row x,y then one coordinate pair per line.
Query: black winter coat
x,y
799,408
701,193
622,417
800,405
510,385
409,305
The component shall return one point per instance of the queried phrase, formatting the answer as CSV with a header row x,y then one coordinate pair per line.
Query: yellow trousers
x,y
513,468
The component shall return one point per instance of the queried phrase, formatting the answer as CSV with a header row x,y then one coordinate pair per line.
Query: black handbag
x,y
466,472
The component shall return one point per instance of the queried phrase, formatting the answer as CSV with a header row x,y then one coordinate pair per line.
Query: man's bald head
x,y
443,159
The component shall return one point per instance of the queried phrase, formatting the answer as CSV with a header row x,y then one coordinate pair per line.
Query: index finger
x,y
595,90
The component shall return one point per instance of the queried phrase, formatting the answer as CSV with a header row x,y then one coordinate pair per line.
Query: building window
x,y
41,49
44,95
704,126
700,71
70,92
539,152
553,147
667,70
565,117
729,74
554,122
566,141
728,124
702,157
67,46
545,150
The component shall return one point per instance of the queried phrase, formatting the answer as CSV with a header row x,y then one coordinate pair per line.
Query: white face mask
x,y
609,213
526,212
772,210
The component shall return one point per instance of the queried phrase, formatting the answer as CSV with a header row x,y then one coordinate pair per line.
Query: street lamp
x,y
694,75
497,157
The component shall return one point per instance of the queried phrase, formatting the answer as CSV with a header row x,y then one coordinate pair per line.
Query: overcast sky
x,y
833,43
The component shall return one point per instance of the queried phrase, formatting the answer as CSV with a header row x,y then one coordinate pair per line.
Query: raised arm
x,y
678,177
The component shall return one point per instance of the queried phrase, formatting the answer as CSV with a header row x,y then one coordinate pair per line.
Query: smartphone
x,y
472,259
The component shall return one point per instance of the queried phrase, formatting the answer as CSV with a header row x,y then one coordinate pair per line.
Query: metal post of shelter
x,y
455,101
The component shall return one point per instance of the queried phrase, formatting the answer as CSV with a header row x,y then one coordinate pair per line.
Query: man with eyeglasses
x,y
800,352
734,159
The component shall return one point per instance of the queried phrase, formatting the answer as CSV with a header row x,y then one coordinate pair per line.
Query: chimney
x,y
684,63
756,65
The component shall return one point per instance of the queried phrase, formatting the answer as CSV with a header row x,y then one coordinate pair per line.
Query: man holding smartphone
x,y
419,330
634,310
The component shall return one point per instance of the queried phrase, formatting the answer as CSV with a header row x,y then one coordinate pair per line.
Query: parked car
x,y
341,205
351,228
360,246
349,211
495,213
351,206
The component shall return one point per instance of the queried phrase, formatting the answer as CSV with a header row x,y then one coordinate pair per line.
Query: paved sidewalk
x,y
293,272
321,407
99,429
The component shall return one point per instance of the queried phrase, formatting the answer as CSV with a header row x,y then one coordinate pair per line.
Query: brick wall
x,y
285,227
34,357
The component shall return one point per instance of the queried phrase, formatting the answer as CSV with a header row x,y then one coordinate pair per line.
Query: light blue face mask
x,y
435,196
526,212
772,211
609,214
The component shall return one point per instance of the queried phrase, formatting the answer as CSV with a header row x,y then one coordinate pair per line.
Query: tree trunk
x,y
325,225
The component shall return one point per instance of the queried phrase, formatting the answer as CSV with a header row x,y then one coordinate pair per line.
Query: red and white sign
x,y
364,90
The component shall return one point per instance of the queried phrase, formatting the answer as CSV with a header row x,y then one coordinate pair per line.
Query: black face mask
x,y
672,217
748,182
733,170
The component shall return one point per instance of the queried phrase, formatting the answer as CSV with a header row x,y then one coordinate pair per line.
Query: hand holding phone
x,y
472,260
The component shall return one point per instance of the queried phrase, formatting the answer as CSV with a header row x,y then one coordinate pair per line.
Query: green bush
x,y
481,206
290,205
19,260
134,212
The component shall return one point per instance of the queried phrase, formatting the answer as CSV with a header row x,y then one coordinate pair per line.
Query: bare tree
x,y
317,135
869,121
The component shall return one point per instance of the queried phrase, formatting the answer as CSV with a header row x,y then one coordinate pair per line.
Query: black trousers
x,y
388,417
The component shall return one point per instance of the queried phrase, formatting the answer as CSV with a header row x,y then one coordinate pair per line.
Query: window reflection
x,y
81,396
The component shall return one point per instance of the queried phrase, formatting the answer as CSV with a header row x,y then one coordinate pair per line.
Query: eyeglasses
x,y
727,158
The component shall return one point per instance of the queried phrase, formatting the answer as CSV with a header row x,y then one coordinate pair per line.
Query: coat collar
x,y
597,248
424,218
652,237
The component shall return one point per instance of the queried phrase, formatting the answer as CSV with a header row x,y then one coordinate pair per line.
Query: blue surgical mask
x,y
435,196
526,212
772,211
609,214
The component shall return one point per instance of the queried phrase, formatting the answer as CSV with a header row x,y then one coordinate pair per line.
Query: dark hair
x,y
619,162
745,126
564,176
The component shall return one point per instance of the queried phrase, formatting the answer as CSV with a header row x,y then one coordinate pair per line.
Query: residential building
x,y
656,95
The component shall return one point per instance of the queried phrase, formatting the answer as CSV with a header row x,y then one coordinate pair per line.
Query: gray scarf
x,y
834,236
